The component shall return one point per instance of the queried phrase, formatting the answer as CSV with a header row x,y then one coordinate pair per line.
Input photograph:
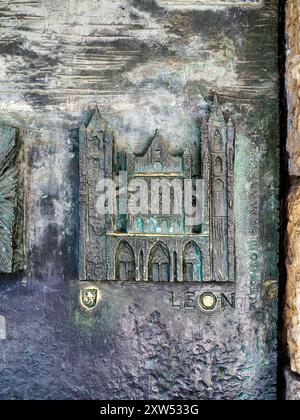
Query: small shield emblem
x,y
89,297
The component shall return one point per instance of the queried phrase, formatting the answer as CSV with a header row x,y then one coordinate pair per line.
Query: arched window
x,y
219,185
152,226
140,225
159,263
192,263
217,141
125,262
218,166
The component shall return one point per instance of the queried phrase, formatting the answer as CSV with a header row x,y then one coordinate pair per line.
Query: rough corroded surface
x,y
146,67
134,346
292,312
293,83
292,299
292,386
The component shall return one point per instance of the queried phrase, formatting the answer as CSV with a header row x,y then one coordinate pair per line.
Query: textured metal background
x,y
146,67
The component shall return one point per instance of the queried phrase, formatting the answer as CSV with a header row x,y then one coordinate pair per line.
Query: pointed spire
x,y
97,123
155,142
157,138
216,116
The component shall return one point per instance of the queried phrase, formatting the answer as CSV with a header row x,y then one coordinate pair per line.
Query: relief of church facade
x,y
154,246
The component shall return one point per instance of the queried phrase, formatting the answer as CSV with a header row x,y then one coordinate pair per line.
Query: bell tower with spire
x,y
220,173
96,142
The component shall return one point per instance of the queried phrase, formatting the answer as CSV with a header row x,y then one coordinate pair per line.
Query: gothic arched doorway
x,y
192,263
159,263
125,262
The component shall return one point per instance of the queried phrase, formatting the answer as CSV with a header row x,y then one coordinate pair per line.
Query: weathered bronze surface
x,y
158,308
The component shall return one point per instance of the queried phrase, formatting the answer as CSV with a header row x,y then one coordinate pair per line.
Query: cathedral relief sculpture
x,y
153,245
11,203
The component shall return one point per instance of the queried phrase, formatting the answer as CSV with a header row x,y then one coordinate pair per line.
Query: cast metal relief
x,y
11,208
157,246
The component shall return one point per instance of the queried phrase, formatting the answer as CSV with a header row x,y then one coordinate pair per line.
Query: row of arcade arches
x,y
162,266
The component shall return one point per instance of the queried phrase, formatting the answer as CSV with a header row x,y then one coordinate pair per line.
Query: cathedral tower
x,y
219,165
96,159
